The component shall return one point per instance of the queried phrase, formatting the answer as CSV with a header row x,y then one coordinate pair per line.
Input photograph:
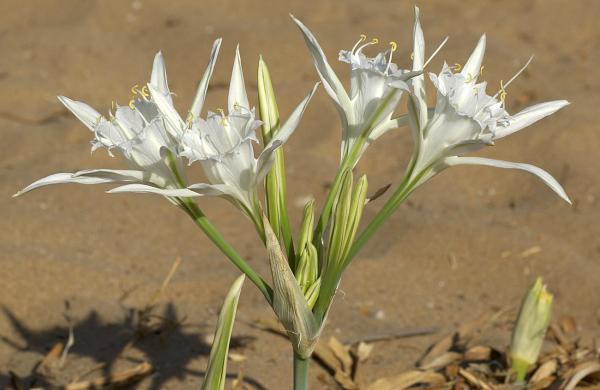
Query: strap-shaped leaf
x,y
217,362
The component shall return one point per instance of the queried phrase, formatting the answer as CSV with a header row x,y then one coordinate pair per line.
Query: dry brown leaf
x,y
544,371
345,381
442,361
543,384
325,356
561,338
407,379
474,380
363,351
568,325
479,352
342,352
460,338
119,379
451,370
52,356
580,372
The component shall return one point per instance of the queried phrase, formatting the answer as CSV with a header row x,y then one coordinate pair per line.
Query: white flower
x,y
139,134
376,86
222,144
466,119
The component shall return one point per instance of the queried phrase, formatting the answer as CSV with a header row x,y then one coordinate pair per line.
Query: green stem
x,y
520,367
215,236
300,373
402,192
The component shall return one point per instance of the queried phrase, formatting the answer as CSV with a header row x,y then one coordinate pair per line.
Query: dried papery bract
x,y
530,329
289,303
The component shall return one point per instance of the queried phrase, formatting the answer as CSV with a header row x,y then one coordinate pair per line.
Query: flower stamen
x,y
223,117
457,67
373,41
435,52
145,93
131,104
363,38
393,48
134,89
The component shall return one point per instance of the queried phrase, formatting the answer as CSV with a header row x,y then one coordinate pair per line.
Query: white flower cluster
x,y
154,139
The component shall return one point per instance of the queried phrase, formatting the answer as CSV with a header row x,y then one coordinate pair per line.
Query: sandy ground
x,y
460,246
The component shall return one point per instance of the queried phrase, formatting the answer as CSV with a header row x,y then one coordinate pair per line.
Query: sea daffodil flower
x,y
222,144
141,135
466,119
376,86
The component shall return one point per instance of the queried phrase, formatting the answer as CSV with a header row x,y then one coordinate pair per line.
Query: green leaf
x,y
217,362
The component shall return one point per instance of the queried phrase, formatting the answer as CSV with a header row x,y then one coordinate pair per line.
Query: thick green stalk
x,y
215,236
300,373
348,163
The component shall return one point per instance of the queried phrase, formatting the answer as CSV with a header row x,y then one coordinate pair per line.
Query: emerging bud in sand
x,y
530,329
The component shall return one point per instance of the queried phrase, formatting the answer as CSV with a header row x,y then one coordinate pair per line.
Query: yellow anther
x,y
469,77
374,41
190,117
481,70
134,89
457,67
412,55
145,92
131,104
394,46
362,37
113,105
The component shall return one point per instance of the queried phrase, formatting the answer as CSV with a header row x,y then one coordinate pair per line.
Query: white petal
x,y
63,178
529,116
418,82
291,123
158,79
210,189
174,123
539,172
144,188
473,65
418,43
331,83
115,175
265,161
237,89
386,126
203,85
82,111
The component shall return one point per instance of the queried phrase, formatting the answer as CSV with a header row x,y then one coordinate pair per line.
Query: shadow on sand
x,y
164,340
